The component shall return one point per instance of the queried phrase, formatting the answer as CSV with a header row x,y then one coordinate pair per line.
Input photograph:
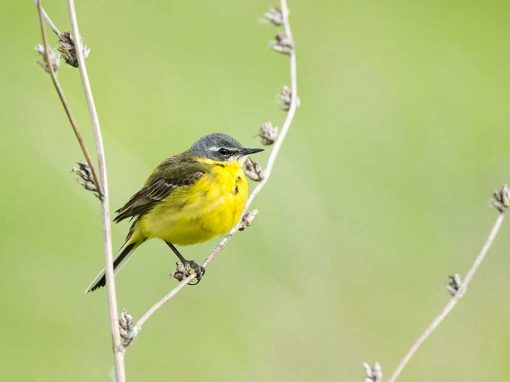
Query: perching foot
x,y
188,268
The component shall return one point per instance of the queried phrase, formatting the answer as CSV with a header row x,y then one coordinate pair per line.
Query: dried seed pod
x,y
85,178
501,199
68,50
53,57
267,133
282,44
373,374
248,219
274,15
253,170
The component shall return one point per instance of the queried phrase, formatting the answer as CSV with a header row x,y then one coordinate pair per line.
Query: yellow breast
x,y
196,213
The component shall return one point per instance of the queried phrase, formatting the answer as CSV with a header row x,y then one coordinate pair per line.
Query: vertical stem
x,y
63,98
118,350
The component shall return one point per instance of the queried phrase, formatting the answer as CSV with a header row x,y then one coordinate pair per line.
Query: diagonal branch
x,y
61,95
501,202
120,373
47,18
267,173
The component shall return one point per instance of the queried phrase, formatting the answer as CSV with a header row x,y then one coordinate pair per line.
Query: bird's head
x,y
221,148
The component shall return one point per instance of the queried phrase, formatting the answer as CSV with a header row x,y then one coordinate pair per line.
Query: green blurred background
x,y
381,190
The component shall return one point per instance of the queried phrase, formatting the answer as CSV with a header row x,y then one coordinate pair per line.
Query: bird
x,y
189,198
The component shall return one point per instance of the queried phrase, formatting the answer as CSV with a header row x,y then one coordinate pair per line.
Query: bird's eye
x,y
224,151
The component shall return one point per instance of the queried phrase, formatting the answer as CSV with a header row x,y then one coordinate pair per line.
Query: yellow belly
x,y
193,214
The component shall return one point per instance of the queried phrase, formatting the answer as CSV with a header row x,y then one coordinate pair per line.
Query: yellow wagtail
x,y
189,198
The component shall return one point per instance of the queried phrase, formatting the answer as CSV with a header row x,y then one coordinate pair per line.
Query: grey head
x,y
221,147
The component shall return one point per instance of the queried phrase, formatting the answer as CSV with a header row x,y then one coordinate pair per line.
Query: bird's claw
x,y
188,268
198,270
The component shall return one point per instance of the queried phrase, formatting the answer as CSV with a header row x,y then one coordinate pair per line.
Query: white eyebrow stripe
x,y
232,150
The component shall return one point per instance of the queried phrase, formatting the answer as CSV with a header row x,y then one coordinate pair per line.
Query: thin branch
x,y
290,114
167,297
501,195
63,98
267,173
118,349
47,18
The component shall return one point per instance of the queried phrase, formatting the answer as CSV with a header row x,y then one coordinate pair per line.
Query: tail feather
x,y
121,258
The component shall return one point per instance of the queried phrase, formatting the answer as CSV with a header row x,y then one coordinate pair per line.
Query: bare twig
x,y
47,18
63,99
290,113
501,202
267,173
118,349
167,297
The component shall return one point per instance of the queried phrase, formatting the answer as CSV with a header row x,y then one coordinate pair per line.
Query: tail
x,y
132,242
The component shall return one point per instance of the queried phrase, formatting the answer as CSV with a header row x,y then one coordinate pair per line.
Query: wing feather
x,y
175,172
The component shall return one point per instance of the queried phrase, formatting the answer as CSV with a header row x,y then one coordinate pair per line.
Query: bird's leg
x,y
199,270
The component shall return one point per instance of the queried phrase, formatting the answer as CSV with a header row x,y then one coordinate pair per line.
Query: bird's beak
x,y
246,151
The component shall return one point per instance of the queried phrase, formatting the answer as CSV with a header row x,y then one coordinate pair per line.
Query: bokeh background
x,y
381,190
